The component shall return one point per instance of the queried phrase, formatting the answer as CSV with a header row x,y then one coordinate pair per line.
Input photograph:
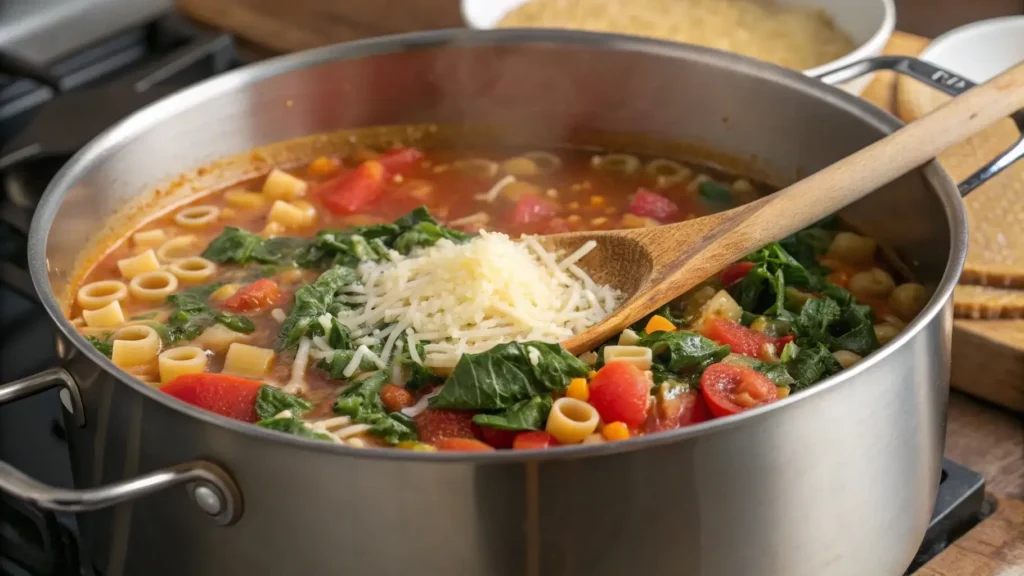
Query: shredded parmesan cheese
x,y
466,298
492,194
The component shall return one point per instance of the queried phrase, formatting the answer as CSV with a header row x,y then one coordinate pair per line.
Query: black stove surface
x,y
40,127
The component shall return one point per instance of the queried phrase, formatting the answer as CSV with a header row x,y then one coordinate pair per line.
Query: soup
x,y
398,298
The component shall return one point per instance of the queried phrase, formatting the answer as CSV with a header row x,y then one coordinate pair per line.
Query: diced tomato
x,y
840,278
678,411
400,160
497,437
694,410
354,191
781,342
557,226
462,445
394,398
620,392
226,395
741,339
533,441
730,389
532,208
652,205
736,272
432,425
259,295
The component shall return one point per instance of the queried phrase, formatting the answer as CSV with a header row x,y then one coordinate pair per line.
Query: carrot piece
x,y
659,324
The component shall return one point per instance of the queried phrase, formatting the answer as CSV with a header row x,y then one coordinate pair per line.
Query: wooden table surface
x,y
980,436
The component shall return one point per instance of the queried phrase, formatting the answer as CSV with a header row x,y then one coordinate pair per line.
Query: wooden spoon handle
x,y
834,187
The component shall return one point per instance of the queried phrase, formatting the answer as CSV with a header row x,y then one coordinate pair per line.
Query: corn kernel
x,y
782,392
573,205
597,201
416,446
659,324
591,374
615,431
574,219
599,221
578,389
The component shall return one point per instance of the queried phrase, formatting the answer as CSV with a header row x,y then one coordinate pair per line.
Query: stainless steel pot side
x,y
838,480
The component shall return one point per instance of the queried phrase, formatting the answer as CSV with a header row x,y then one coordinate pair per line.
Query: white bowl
x,y
981,50
869,23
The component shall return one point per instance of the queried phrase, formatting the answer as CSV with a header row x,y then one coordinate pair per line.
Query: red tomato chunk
x,y
356,190
730,389
736,272
534,441
260,295
433,425
652,205
229,396
532,208
462,445
498,438
741,339
620,392
400,160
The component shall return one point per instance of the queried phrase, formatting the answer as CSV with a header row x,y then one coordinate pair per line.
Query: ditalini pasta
x,y
105,317
153,286
135,345
245,200
177,248
197,217
280,185
140,264
571,421
193,269
149,239
246,360
95,295
397,297
181,360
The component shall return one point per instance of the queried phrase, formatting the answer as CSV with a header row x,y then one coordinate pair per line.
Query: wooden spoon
x,y
652,266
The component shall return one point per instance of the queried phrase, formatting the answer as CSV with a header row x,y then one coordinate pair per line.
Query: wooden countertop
x,y
980,436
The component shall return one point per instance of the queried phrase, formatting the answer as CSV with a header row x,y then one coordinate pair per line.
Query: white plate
x,y
869,23
981,50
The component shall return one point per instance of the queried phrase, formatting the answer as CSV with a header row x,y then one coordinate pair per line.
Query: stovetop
x,y
47,111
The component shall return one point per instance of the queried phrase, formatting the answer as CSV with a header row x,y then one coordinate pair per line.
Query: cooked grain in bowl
x,y
794,37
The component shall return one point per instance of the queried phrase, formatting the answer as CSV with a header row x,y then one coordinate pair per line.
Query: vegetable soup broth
x,y
238,303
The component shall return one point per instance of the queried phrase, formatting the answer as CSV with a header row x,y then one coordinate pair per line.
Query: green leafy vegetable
x,y
684,350
104,345
810,365
530,414
234,245
271,401
507,374
192,313
714,192
313,301
292,426
146,316
417,376
361,402
335,364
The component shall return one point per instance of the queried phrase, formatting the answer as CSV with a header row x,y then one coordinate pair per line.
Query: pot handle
x,y
944,81
210,487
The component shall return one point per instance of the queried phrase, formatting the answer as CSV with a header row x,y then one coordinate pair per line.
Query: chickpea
x,y
520,166
846,358
907,300
852,248
874,283
743,191
884,333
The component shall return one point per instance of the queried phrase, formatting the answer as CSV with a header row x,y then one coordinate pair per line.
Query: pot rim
x,y
251,74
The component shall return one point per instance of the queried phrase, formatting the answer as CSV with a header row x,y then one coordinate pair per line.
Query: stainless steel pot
x,y
838,480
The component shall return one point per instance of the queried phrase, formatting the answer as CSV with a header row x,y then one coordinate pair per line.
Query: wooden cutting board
x,y
988,355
